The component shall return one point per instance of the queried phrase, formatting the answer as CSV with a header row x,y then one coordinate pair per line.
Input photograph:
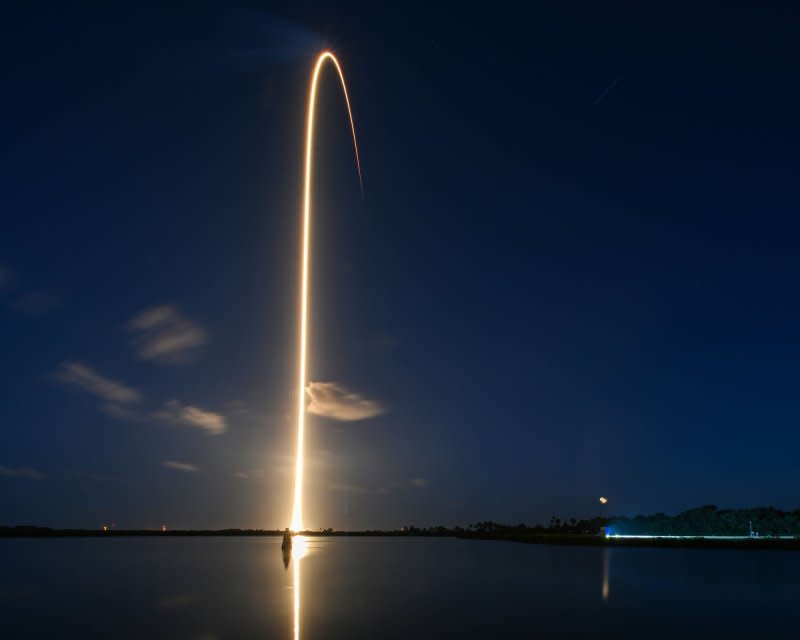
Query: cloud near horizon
x,y
86,379
332,400
183,414
21,472
164,335
180,466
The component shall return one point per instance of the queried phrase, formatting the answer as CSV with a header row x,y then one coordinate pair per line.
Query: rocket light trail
x,y
325,56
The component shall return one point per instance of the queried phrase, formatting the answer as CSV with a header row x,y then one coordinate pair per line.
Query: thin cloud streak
x,y
86,379
21,472
176,413
164,335
180,466
357,489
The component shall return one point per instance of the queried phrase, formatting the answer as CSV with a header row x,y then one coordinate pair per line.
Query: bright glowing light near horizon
x,y
325,56
603,500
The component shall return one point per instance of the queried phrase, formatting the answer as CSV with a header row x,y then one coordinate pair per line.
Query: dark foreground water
x,y
389,588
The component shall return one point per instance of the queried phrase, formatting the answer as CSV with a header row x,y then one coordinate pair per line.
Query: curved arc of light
x,y
325,56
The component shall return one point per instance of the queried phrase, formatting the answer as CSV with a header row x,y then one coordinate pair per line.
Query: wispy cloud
x,y
163,334
180,466
176,413
86,379
332,400
20,472
242,475
419,483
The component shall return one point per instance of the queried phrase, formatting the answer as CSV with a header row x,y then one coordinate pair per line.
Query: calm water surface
x,y
215,588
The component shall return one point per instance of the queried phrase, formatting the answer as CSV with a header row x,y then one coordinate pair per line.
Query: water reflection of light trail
x,y
298,551
606,588
296,593
325,56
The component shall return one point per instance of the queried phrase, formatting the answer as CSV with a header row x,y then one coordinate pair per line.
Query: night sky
x,y
573,271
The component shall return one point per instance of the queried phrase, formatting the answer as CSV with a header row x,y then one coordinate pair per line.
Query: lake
x,y
238,587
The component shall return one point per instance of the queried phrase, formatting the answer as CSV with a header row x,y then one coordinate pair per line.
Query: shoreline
x,y
583,540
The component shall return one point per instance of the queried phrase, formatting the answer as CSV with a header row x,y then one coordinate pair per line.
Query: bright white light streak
x,y
325,56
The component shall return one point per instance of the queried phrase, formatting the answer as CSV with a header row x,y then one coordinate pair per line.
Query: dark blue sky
x,y
573,272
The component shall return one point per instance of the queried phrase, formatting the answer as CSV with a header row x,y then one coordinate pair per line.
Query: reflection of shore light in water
x,y
606,588
325,56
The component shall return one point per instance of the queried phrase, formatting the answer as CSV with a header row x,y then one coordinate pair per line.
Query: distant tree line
x,y
709,520
496,530
702,521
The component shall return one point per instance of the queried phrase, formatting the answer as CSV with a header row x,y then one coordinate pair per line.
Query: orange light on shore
x,y
325,56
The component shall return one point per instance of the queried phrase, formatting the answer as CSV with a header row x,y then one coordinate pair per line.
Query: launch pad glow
x,y
325,56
